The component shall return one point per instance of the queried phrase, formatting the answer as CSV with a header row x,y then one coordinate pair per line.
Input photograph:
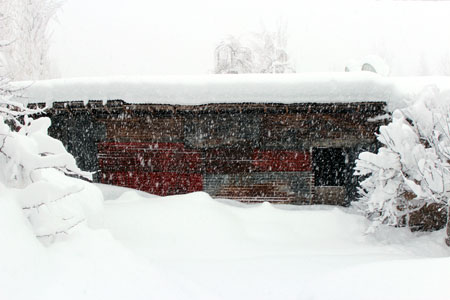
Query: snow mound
x,y
194,247
424,279
87,264
15,231
266,251
112,192
197,226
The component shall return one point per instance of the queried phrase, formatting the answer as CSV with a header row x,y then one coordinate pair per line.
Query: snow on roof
x,y
282,88
232,88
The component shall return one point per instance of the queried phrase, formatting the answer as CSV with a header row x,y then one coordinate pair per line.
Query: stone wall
x,y
250,152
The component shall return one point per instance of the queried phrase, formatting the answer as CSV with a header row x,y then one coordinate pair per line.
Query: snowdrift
x,y
194,247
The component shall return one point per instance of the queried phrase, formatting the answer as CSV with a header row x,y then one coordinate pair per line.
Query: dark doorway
x,y
329,166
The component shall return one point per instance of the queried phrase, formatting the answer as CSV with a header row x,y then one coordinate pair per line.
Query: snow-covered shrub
x,y
412,167
35,168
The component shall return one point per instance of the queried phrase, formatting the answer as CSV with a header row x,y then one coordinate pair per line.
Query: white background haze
x,y
139,37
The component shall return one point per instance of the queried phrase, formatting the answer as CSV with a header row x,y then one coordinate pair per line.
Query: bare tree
x,y
271,50
262,52
25,37
231,57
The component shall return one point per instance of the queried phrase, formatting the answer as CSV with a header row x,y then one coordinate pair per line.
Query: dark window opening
x,y
329,166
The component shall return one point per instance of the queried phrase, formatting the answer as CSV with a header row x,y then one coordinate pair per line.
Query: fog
x,y
138,37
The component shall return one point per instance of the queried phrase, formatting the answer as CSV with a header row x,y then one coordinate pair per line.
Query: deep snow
x,y
194,247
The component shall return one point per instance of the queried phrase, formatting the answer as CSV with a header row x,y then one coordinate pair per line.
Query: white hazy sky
x,y
146,37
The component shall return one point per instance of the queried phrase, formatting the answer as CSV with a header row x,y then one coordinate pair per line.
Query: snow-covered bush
x,y
35,167
412,168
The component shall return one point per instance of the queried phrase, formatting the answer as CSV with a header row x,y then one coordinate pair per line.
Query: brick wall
x,y
250,152
157,168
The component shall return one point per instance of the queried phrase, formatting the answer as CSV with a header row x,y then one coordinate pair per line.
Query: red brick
x,y
158,183
281,161
148,157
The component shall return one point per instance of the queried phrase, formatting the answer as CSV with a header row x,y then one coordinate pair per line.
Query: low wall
x,y
245,151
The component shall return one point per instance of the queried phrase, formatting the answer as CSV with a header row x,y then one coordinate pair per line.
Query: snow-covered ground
x,y
194,247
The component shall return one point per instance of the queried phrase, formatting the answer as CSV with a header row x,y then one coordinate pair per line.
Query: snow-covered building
x,y
282,138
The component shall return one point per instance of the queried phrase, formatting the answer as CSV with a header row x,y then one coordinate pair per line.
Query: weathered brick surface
x,y
148,157
318,126
162,129
251,152
158,168
215,129
158,183
294,187
80,132
330,195
228,160
281,161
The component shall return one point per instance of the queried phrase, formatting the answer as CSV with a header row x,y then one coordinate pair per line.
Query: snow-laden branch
x,y
34,165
